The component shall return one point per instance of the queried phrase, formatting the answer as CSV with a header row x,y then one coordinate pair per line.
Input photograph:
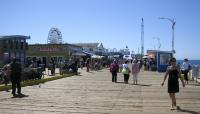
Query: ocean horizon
x,y
192,62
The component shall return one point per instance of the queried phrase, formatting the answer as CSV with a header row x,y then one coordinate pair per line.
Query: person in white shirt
x,y
185,67
126,71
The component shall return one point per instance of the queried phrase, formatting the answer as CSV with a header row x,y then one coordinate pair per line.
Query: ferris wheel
x,y
54,36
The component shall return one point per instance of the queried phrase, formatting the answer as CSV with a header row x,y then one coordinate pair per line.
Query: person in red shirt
x,y
114,68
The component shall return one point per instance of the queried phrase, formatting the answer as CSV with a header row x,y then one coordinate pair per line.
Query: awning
x,y
78,54
87,53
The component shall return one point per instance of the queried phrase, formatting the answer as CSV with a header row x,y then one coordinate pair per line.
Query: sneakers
x,y
14,95
19,95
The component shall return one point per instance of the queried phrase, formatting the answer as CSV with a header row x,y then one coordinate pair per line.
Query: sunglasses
x,y
173,61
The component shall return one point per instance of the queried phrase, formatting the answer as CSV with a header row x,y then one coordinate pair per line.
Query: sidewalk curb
x,y
35,82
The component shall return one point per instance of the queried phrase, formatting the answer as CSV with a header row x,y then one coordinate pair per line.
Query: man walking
x,y
185,68
15,77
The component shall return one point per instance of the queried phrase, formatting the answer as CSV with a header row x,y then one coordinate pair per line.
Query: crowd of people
x,y
173,73
12,72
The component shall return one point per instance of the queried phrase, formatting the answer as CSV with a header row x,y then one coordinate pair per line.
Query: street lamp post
x,y
159,44
173,24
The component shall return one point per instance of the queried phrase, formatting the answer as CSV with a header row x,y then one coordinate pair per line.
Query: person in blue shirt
x,y
185,68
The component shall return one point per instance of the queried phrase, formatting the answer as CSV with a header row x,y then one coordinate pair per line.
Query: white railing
x,y
195,72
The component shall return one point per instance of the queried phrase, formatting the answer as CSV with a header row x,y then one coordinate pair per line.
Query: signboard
x,y
50,49
47,50
163,60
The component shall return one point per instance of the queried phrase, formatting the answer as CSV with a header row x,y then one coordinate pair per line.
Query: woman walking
x,y
135,71
173,73
126,71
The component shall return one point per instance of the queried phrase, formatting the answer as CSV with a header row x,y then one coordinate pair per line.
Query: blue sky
x,y
115,23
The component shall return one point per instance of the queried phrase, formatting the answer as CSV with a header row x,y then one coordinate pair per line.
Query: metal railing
x,y
195,72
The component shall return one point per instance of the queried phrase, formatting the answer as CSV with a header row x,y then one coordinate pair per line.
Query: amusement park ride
x,y
54,36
